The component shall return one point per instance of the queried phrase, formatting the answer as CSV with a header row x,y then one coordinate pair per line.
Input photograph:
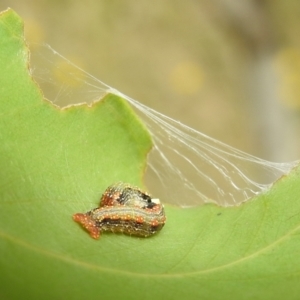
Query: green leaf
x,y
56,162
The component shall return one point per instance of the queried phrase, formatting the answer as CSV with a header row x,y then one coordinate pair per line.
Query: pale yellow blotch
x,y
34,32
287,66
67,75
186,78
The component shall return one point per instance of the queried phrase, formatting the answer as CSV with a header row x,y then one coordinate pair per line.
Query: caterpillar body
x,y
124,209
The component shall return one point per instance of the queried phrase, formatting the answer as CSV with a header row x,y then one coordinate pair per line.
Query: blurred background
x,y
230,69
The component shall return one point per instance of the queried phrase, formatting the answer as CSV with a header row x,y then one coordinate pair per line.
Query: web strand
x,y
185,166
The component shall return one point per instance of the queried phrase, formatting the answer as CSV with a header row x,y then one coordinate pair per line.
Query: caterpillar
x,y
124,209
